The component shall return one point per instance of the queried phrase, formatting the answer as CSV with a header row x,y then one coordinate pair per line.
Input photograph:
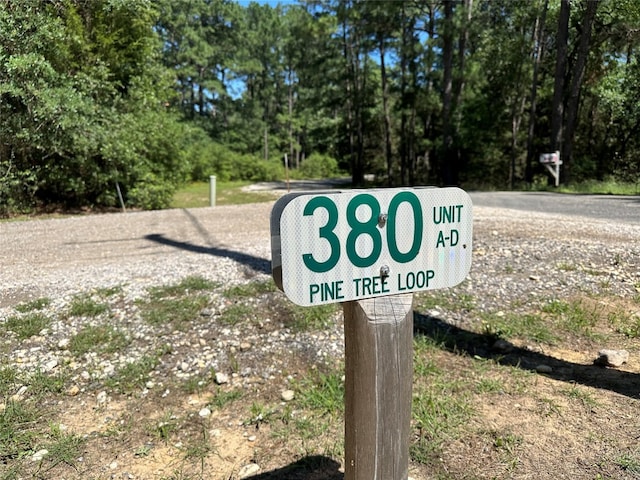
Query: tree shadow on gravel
x,y
458,340
258,264
308,468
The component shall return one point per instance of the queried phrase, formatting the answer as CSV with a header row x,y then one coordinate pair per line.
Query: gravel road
x,y
56,257
520,258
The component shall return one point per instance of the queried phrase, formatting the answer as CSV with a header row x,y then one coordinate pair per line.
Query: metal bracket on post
x,y
552,162
378,385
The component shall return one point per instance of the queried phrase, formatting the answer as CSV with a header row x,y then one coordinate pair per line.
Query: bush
x,y
319,166
151,193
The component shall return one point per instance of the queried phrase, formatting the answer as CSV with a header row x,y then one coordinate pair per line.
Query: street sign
x,y
334,247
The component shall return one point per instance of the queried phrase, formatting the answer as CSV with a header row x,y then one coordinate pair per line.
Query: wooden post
x,y
378,381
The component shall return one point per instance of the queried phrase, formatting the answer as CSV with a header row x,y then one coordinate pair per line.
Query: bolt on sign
x,y
334,247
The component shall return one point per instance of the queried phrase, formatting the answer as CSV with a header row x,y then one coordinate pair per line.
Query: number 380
x,y
369,228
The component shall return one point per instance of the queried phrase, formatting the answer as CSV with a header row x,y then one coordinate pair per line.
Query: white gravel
x,y
519,259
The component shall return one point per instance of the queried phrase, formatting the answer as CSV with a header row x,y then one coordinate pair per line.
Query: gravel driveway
x,y
57,257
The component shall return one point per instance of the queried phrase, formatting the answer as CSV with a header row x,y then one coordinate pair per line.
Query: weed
x,y
629,462
187,285
18,433
62,447
439,409
323,393
106,292
37,304
133,375
176,312
236,313
306,319
26,326
260,414
573,316
102,338
581,395
250,290
41,383
85,306
165,427
142,451
223,398
448,300
525,326
567,267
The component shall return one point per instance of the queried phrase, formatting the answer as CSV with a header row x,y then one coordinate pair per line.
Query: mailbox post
x,y
552,162
371,250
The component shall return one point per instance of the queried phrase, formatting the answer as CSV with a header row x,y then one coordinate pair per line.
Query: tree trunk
x,y
385,107
448,160
576,84
562,39
538,50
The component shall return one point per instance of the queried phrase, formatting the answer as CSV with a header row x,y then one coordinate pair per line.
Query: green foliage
x,y
25,326
319,166
151,94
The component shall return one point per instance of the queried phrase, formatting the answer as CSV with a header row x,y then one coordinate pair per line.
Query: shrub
x,y
319,166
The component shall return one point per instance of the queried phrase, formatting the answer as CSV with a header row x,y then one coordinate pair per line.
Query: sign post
x,y
370,250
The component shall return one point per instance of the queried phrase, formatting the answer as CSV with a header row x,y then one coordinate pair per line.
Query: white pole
x,y
212,190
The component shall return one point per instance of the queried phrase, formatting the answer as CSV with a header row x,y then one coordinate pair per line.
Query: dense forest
x,y
150,94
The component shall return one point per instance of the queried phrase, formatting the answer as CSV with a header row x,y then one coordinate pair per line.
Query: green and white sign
x,y
336,247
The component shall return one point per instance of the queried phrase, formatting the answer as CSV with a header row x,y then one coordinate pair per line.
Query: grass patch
x,y
222,398
236,313
606,187
186,286
26,326
33,305
63,448
574,316
443,299
18,430
85,306
629,462
176,305
250,290
196,195
323,393
102,338
530,327
133,376
304,319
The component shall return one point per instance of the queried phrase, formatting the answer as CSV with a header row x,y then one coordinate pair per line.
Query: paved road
x,y
623,209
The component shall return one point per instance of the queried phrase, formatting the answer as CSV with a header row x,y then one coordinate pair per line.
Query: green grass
x,y
37,304
176,305
133,376
196,195
184,287
250,290
532,327
85,306
323,393
103,338
222,398
304,319
26,326
444,299
236,313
